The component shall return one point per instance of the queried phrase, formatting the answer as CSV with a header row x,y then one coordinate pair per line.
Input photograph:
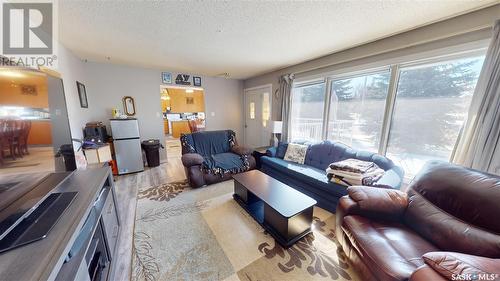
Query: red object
x,y
114,167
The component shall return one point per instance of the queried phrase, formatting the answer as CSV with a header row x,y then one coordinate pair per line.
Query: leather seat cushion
x,y
391,250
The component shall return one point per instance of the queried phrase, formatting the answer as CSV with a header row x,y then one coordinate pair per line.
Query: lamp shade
x,y
276,127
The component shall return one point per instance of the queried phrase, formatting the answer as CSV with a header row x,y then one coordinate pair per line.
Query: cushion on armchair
x,y
449,264
223,163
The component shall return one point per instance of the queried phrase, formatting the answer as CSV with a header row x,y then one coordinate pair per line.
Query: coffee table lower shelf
x,y
286,231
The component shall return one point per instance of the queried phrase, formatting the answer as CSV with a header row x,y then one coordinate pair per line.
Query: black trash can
x,y
66,150
152,150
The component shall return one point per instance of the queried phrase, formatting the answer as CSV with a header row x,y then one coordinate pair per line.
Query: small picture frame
x,y
196,81
82,94
166,78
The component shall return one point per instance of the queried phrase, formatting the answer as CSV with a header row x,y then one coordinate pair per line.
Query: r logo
x,y
27,28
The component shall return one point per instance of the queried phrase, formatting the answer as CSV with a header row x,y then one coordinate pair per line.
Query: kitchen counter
x,y
180,127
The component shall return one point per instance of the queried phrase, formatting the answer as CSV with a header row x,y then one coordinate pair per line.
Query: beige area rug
x,y
203,234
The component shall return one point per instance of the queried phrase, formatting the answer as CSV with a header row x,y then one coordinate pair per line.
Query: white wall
x,y
72,69
107,84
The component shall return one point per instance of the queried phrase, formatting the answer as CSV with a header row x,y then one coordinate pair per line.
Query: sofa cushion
x,y
320,155
391,250
281,149
314,177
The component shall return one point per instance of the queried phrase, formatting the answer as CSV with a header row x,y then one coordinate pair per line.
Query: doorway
x,y
257,102
183,110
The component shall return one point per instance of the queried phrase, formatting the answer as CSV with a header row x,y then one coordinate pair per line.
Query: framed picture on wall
x,y
82,94
196,81
166,78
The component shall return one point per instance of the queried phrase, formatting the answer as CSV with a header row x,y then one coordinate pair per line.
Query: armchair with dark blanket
x,y
213,156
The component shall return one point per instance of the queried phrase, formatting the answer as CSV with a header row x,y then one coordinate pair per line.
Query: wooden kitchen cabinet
x,y
179,101
38,132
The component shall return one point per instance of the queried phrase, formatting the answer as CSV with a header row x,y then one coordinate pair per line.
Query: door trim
x,y
271,98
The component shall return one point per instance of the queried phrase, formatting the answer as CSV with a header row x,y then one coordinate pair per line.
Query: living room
x,y
277,140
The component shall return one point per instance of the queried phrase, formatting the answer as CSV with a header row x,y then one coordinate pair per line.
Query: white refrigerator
x,y
127,143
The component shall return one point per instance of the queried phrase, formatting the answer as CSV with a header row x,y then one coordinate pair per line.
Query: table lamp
x,y
276,129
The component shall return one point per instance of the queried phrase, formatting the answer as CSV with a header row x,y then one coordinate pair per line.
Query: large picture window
x,y
412,113
307,108
357,110
431,105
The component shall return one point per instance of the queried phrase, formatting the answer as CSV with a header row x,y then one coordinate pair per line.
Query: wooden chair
x,y
23,137
7,140
196,125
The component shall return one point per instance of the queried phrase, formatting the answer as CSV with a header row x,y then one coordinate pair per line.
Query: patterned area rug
x,y
203,234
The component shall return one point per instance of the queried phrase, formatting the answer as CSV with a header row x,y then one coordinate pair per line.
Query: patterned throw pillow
x,y
296,153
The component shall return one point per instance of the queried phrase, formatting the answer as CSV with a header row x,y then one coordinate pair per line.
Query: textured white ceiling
x,y
241,38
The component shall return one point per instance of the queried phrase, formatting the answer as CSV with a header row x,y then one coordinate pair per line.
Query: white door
x,y
257,116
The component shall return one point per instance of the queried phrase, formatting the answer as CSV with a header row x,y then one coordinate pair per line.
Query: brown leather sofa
x,y
445,227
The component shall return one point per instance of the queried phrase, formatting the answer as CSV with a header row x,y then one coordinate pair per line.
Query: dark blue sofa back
x,y
320,155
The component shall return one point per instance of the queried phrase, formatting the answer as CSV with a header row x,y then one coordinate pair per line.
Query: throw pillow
x,y
296,153
281,149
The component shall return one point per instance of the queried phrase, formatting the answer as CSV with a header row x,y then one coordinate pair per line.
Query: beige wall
x,y
455,31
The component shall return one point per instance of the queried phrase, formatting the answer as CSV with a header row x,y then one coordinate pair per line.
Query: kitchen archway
x,y
183,110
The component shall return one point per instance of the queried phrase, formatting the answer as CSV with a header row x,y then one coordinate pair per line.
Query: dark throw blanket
x,y
224,163
215,147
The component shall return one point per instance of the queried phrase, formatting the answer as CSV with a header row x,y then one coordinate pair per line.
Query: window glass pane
x,y
357,110
307,112
252,110
431,105
266,109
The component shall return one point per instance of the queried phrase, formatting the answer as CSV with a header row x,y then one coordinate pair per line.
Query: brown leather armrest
x,y
241,150
191,159
379,203
451,264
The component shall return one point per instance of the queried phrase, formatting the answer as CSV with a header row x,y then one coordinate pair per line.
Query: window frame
x,y
308,83
332,78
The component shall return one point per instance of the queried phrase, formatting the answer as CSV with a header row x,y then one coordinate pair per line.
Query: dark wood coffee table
x,y
283,211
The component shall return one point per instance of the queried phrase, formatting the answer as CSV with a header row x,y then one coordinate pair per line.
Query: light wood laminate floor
x,y
126,191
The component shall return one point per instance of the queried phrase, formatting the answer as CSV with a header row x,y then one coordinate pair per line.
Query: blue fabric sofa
x,y
310,178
